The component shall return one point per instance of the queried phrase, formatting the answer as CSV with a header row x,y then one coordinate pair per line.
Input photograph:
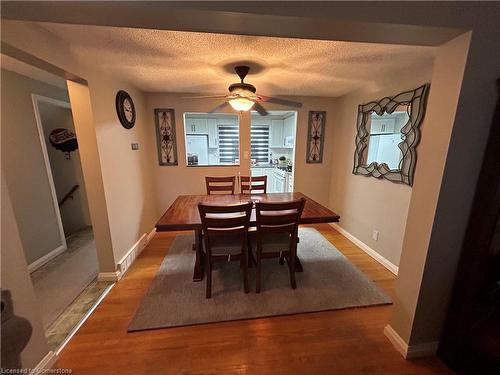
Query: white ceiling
x,y
174,61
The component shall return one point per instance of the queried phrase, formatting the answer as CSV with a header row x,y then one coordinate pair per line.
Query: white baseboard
x,y
150,236
46,258
367,249
410,351
126,261
46,363
136,249
109,276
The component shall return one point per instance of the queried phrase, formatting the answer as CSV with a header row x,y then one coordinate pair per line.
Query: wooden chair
x,y
259,184
277,234
221,185
225,233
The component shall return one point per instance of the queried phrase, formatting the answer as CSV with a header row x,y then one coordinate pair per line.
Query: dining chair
x,y
225,233
277,234
220,185
259,184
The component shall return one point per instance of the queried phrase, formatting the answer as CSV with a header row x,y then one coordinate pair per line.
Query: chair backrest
x,y
221,185
230,221
259,184
279,217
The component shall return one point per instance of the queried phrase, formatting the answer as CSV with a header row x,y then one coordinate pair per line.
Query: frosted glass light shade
x,y
241,104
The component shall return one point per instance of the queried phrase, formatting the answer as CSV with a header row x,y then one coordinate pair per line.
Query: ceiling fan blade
x,y
205,97
220,106
262,111
288,103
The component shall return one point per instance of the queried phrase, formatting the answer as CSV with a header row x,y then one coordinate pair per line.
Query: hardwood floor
x,y
334,342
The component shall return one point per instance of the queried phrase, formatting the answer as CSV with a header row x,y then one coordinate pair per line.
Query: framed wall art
x,y
315,136
165,136
388,133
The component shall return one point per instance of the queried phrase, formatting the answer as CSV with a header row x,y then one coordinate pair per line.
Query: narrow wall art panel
x,y
315,136
165,136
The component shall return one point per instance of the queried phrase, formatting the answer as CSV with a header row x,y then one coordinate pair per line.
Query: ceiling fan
x,y
243,96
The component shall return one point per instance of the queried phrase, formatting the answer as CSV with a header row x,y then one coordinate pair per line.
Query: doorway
x,y
43,173
272,140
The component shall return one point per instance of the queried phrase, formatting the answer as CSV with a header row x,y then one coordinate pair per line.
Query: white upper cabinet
x,y
382,125
289,131
196,126
213,137
276,134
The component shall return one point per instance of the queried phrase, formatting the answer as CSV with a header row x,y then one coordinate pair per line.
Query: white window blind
x,y
259,135
229,143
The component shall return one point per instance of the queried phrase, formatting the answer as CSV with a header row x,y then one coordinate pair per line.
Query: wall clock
x,y
125,109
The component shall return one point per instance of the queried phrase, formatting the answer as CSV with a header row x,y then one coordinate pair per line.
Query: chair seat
x,y
226,245
272,242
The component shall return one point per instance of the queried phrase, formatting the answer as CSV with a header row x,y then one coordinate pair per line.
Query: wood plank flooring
x,y
347,341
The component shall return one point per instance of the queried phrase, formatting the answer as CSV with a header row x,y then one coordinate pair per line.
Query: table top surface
x,y
183,214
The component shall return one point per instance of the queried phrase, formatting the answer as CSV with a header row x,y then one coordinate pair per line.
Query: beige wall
x,y
367,203
16,279
65,172
119,217
23,164
127,178
310,179
91,166
433,151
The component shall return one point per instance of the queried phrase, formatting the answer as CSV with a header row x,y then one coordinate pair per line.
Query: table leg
x,y
199,262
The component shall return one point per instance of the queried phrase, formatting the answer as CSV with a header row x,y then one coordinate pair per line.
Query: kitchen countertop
x,y
263,166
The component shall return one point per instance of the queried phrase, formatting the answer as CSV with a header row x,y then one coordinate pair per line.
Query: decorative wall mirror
x,y
388,134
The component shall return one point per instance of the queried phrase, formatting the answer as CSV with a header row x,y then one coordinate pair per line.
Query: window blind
x,y
229,143
259,135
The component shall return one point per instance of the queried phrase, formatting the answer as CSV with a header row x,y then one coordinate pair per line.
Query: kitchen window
x,y
229,143
260,143
212,139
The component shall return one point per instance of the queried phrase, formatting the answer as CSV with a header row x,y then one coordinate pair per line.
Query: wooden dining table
x,y
183,214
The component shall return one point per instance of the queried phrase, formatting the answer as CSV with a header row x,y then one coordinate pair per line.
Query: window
x,y
211,139
260,143
229,143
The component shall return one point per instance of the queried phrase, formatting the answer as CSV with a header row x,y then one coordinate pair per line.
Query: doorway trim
x,y
63,247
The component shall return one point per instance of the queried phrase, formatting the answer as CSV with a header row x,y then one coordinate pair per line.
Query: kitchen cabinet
x,y
382,125
289,127
290,182
213,137
196,126
276,134
258,172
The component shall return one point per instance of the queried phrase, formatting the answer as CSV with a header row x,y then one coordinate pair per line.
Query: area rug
x,y
329,282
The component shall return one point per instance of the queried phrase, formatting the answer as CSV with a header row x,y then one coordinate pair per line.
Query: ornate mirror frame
x,y
410,134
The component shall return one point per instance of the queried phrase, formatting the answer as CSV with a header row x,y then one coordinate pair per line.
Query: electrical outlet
x,y
135,146
375,235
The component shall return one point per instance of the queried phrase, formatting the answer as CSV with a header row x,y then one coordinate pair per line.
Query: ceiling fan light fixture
x,y
241,104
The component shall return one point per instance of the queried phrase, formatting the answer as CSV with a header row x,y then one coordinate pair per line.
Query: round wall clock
x,y
125,109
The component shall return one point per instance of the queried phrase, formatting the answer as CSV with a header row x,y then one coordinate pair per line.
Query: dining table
x,y
183,214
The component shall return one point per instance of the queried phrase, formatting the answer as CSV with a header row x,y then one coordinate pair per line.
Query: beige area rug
x,y
329,282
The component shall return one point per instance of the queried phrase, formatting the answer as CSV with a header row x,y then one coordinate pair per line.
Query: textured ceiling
x,y
174,61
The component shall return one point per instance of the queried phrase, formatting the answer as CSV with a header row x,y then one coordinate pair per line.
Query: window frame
x,y
206,116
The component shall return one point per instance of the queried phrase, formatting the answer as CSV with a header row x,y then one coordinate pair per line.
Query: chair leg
x,y
208,270
250,254
245,273
257,274
292,270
